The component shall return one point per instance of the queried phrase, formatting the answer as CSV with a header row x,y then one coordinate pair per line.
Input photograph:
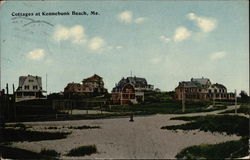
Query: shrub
x,y
52,127
231,149
49,152
83,127
17,153
214,123
14,135
83,150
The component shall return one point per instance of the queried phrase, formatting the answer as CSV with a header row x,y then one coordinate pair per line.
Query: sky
x,y
163,41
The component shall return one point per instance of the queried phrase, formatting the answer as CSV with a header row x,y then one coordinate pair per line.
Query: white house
x,y
29,87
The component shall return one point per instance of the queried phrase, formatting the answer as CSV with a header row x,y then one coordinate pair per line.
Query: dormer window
x,y
27,87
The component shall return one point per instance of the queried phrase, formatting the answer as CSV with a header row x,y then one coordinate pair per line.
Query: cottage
x,y
77,88
202,89
96,83
91,86
124,94
130,90
29,87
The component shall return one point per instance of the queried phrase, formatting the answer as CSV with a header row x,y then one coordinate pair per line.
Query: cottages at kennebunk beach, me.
x,y
130,90
124,79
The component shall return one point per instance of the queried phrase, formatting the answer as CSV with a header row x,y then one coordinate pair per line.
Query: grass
x,y
244,108
48,152
16,153
83,127
83,150
156,97
14,135
76,127
214,123
167,107
230,124
230,149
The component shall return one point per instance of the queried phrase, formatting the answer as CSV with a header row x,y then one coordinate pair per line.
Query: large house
x,y
93,85
77,88
96,83
29,87
130,90
202,89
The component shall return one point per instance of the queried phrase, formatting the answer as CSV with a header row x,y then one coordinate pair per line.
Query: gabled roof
x,y
219,86
135,81
72,86
23,78
95,77
202,81
190,84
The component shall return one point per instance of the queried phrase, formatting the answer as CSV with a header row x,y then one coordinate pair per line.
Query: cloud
x,y
140,20
36,54
165,39
75,34
181,33
217,55
96,44
114,47
125,17
119,47
155,60
204,23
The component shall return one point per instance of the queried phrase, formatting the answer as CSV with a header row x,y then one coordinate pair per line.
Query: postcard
x,y
118,79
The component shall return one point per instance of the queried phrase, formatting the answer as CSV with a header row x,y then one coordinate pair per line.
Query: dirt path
x,y
119,138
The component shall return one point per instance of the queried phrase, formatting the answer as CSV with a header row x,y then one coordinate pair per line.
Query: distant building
x,y
96,83
29,87
202,89
77,88
130,90
93,85
157,90
140,84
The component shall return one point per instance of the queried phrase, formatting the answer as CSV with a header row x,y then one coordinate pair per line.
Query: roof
x,y
95,77
23,78
72,86
202,81
190,84
135,81
219,86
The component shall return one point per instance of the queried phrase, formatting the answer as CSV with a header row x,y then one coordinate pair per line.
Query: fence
x,y
7,107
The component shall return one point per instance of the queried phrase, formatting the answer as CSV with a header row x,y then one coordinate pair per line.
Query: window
x,y
27,87
31,80
35,87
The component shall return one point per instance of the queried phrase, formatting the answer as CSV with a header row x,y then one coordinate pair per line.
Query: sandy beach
x,y
119,138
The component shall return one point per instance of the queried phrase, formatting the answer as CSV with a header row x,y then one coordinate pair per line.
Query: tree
x,y
244,97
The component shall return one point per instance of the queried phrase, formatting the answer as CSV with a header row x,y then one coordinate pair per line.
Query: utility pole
x,y
8,101
235,103
183,100
213,99
0,59
46,86
14,101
